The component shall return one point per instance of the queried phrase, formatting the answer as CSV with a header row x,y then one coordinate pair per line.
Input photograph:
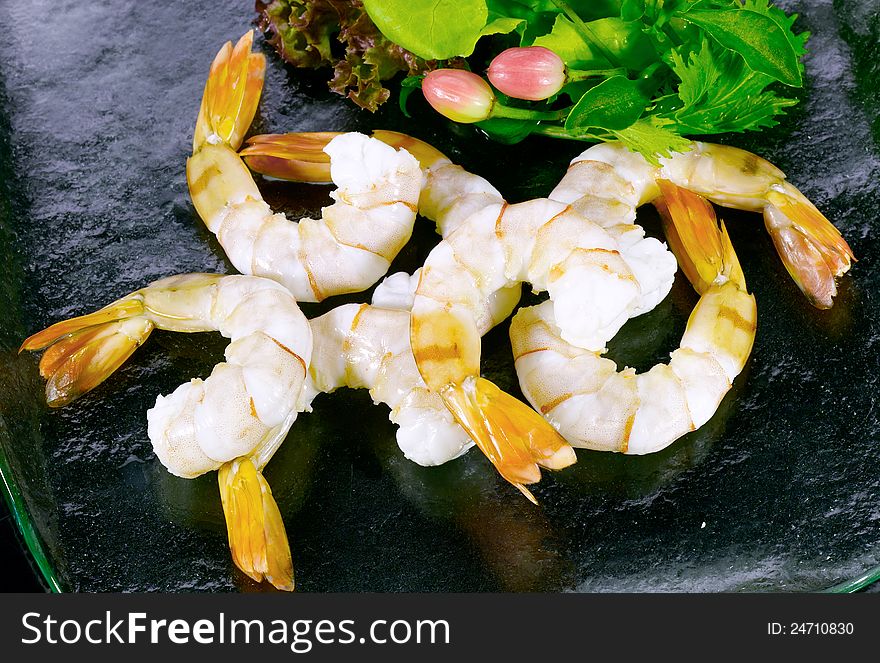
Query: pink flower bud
x,y
459,95
531,72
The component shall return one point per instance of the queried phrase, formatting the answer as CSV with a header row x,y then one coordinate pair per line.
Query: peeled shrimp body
x,y
582,394
496,248
353,243
234,420
490,247
449,193
605,184
811,248
452,197
560,367
364,346
595,406
248,403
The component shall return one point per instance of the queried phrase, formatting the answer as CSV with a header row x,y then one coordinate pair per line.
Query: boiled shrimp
x,y
811,248
234,420
353,243
489,247
367,346
449,193
607,182
595,406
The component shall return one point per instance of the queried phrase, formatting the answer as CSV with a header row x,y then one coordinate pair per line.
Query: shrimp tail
x,y
300,157
232,93
215,174
811,247
82,352
725,318
515,438
256,532
701,247
297,157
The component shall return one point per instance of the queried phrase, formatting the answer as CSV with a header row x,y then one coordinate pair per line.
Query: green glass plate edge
x,y
869,577
25,527
35,545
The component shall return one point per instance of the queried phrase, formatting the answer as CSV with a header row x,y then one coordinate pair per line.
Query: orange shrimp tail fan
x,y
82,352
512,435
297,157
300,157
701,247
811,247
256,532
232,93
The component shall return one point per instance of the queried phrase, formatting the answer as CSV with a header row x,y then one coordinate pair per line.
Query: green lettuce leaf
x,y
439,29
613,104
760,40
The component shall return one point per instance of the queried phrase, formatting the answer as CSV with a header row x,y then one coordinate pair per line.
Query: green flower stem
x,y
499,110
551,131
649,78
650,70
586,32
575,75
560,132
661,41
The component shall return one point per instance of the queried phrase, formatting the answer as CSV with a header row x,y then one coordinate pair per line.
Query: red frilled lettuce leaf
x,y
338,34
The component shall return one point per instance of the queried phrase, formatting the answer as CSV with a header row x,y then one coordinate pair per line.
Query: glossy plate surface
x,y
780,491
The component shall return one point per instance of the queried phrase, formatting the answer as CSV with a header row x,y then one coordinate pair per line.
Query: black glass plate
x,y
780,491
